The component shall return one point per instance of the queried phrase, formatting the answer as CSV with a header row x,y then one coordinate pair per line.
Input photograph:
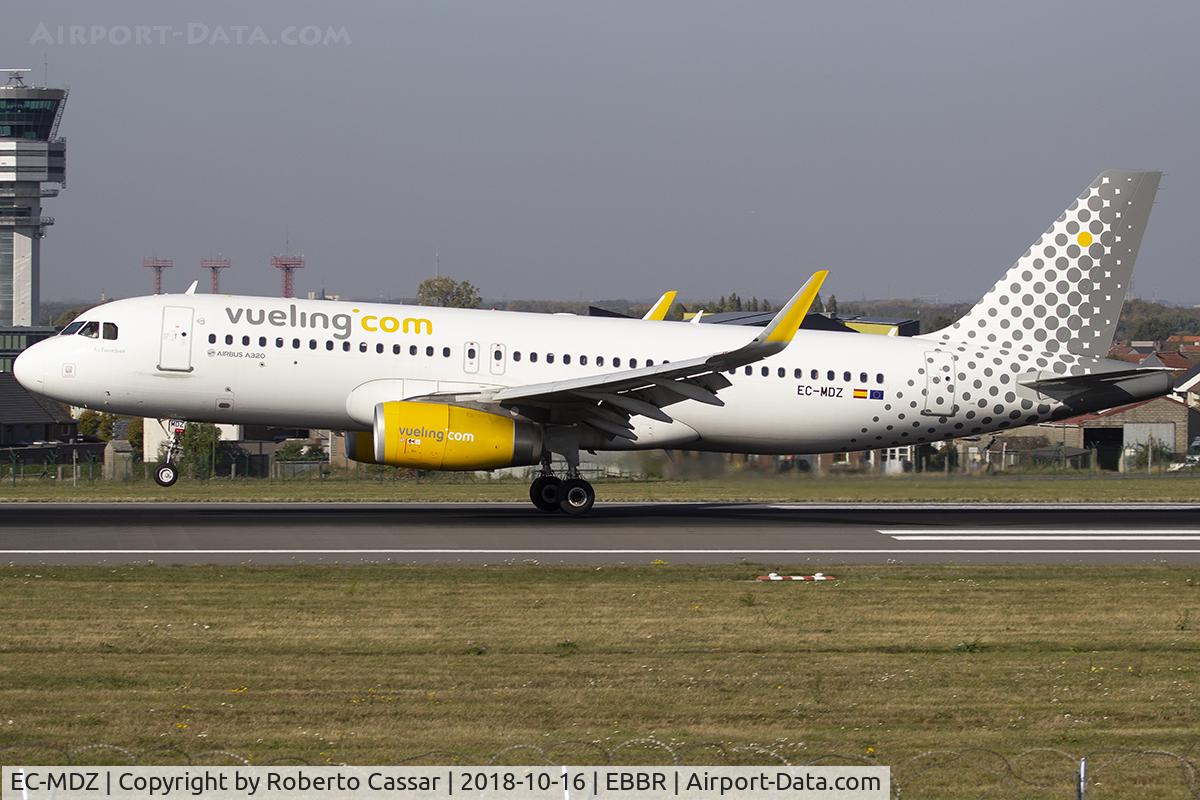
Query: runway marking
x,y
583,552
1041,535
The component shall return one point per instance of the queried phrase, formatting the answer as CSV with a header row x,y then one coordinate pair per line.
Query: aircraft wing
x,y
608,400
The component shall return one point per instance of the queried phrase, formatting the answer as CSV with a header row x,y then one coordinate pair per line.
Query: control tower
x,y
31,156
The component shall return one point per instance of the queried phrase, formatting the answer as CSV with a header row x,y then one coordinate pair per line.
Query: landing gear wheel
x,y
166,475
544,492
576,497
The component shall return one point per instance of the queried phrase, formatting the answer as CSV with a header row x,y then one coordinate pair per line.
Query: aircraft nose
x,y
29,369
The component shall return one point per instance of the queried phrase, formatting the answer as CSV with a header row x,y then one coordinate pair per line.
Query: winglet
x,y
192,289
783,327
659,310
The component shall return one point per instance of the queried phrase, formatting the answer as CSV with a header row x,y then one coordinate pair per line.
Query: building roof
x,y
1109,412
19,407
760,319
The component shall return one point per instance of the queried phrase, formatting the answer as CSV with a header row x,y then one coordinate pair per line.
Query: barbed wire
x,y
1009,771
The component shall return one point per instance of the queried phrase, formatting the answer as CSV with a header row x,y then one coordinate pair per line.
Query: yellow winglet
x,y
659,310
787,321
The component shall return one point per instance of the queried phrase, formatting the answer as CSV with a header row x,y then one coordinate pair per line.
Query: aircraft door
x,y
499,354
939,384
175,349
471,357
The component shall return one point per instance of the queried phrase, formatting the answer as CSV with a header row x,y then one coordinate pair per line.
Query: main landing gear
x,y
573,496
166,473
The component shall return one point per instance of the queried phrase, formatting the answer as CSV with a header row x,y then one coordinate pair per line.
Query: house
x,y
26,418
1169,421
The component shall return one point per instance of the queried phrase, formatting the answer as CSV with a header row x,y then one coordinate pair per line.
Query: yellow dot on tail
x,y
1085,238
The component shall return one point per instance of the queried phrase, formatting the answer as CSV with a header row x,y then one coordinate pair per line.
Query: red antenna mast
x,y
215,265
288,265
158,265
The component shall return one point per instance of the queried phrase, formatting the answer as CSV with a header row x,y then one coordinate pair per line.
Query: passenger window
x,y
566,358
445,352
429,351
471,352
862,377
329,344
533,357
782,372
749,370
617,361
879,378
70,329
245,341
412,350
212,338
830,375
379,348
395,349
312,344
345,347
633,363
279,342
599,361
295,344
262,341
583,361
766,371
799,373
362,347
228,338
649,362
110,330
549,358
516,355
846,376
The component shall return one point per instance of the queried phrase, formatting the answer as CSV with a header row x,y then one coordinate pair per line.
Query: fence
x,y
1039,772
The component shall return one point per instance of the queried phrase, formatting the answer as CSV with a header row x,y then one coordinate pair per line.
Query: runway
x,y
617,533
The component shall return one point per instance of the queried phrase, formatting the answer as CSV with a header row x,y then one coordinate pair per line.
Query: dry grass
x,y
378,664
909,488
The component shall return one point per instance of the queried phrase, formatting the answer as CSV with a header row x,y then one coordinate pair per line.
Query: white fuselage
x,y
324,364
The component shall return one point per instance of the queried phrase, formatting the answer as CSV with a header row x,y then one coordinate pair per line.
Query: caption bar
x,y
436,783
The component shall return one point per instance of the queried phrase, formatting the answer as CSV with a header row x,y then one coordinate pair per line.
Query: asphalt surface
x,y
615,533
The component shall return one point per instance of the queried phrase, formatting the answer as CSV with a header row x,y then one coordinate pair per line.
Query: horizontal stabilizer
x,y
1103,389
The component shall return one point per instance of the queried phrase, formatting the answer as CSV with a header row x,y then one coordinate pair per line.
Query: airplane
x,y
469,389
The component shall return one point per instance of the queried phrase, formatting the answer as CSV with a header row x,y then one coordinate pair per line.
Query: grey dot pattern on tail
x,y
1065,293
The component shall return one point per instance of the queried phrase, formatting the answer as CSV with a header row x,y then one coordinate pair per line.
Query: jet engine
x,y
445,437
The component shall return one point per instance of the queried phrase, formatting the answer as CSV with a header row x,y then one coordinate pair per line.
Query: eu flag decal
x,y
877,394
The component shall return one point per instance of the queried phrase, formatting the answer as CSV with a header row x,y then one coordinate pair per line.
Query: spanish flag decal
x,y
860,394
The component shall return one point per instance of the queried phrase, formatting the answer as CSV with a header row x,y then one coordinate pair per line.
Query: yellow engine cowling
x,y
445,437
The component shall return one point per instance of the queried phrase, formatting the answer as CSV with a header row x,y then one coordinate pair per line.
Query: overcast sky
x,y
606,149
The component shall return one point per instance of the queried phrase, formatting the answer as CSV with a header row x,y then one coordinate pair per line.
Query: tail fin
x,y
1065,294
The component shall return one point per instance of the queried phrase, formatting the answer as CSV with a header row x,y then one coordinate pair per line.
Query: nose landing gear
x,y
166,473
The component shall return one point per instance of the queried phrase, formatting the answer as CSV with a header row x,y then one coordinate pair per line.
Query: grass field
x,y
909,488
382,664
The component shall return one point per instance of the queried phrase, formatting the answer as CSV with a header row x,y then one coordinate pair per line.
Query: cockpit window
x,y
90,329
110,330
70,329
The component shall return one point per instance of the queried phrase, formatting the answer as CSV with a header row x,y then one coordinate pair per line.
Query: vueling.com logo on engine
x,y
415,434
341,324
